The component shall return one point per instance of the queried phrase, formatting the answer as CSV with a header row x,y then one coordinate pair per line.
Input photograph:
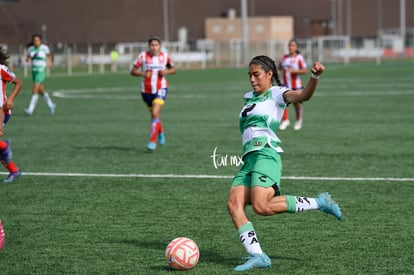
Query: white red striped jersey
x,y
292,80
6,75
151,65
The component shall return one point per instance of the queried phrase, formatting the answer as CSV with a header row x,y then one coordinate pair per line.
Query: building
x,y
106,21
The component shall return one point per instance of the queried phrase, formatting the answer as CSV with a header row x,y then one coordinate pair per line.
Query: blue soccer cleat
x,y
161,138
255,261
328,205
12,176
151,146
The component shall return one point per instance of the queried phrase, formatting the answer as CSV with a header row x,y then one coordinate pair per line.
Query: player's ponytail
x,y
268,65
4,57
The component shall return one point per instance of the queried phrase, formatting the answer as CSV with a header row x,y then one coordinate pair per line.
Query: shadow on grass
x,y
206,255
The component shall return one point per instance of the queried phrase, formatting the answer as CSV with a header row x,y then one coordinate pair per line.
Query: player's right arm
x,y
137,66
28,56
136,71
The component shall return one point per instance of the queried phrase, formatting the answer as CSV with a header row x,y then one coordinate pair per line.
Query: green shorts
x,y
260,168
38,76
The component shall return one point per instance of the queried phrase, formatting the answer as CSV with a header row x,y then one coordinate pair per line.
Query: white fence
x,y
205,53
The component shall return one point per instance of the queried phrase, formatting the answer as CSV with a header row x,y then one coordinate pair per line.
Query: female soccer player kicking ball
x,y
258,181
153,66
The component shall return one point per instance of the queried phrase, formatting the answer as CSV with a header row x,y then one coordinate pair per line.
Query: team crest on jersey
x,y
258,143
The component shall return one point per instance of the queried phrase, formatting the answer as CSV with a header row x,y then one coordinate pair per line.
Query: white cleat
x,y
298,125
27,112
284,124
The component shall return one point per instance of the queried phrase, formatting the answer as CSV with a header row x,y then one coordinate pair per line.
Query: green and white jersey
x,y
260,119
38,57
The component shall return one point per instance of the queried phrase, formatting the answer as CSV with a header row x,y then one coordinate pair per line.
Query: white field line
x,y
134,93
177,176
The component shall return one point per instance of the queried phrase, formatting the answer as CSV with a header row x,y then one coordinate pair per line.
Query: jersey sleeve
x,y
170,62
7,75
46,49
29,52
277,94
139,60
301,63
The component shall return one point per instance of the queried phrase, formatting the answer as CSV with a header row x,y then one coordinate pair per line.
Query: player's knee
x,y
261,208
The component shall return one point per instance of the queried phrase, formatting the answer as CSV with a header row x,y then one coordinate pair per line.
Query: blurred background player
x,y
6,104
39,56
153,65
292,66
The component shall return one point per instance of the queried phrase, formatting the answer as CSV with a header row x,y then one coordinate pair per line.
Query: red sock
x,y
160,127
286,114
3,145
155,129
11,167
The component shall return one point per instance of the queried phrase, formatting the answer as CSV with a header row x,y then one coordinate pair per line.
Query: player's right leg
x,y
47,99
285,119
156,127
239,197
6,158
35,97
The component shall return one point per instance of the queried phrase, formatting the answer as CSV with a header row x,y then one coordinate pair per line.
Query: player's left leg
x,y
47,99
265,195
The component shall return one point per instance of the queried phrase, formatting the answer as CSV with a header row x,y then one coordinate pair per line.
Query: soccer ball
x,y
182,254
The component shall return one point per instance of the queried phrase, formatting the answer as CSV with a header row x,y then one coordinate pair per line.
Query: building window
x,y
231,28
216,29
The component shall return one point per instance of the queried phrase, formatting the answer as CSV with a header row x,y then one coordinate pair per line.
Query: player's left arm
x,y
16,90
169,68
305,94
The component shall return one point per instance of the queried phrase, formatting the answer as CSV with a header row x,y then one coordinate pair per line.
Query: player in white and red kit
x,y
153,65
6,104
292,66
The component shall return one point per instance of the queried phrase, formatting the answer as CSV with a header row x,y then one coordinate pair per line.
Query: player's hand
x,y
318,68
9,104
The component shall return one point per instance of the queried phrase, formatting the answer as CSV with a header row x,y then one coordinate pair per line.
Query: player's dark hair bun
x,y
154,37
